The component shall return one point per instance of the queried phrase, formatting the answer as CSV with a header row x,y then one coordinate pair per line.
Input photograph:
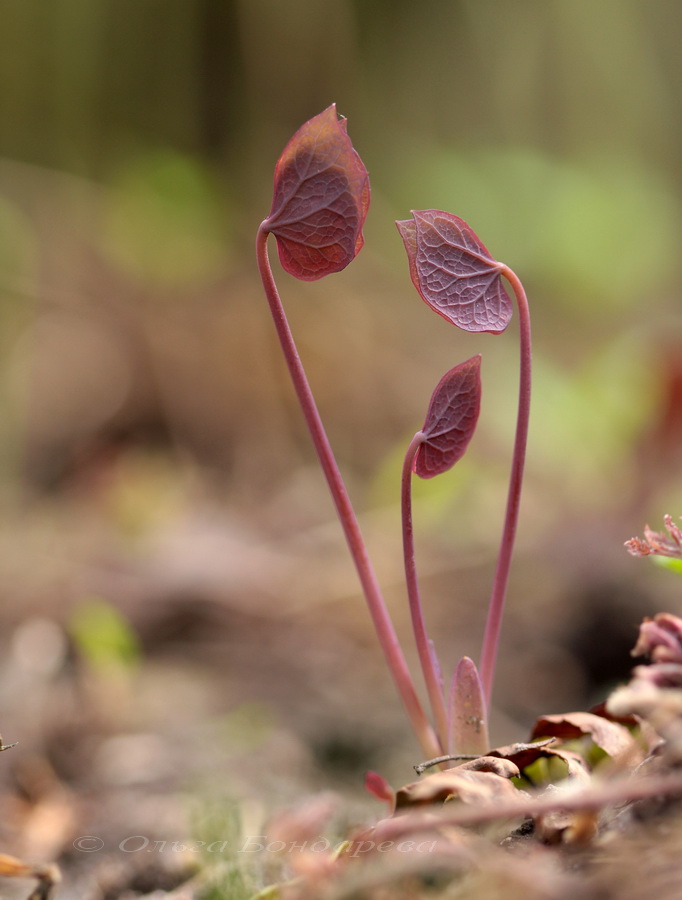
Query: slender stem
x,y
370,585
426,653
497,598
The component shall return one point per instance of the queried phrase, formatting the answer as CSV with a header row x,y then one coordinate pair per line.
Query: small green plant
x,y
321,199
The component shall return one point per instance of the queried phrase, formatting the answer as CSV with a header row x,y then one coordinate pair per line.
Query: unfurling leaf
x,y
454,272
320,200
451,419
467,711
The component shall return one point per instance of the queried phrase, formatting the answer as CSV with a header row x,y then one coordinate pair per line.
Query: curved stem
x,y
425,649
370,585
497,598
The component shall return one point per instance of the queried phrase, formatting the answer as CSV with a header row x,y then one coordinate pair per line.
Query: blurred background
x,y
179,617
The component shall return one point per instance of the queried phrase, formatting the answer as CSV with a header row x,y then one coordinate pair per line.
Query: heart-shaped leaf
x,y
451,419
454,272
320,200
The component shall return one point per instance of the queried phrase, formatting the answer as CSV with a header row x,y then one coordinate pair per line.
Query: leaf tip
x,y
467,710
320,200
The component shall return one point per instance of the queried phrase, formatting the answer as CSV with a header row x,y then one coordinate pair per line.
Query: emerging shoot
x,y
467,714
449,426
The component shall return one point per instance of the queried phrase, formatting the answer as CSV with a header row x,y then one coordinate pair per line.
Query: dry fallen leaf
x,y
614,739
524,755
482,780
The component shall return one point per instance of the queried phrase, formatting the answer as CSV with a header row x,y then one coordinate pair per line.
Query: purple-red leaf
x,y
320,200
454,272
451,419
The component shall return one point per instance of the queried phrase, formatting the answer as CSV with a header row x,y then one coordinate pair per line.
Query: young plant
x,y
458,278
449,426
321,198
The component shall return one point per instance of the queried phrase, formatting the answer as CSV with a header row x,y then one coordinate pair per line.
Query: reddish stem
x,y
424,649
370,585
493,625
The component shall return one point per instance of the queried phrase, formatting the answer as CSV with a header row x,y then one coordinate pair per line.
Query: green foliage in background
x,y
103,636
132,163
163,220
218,824
598,236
